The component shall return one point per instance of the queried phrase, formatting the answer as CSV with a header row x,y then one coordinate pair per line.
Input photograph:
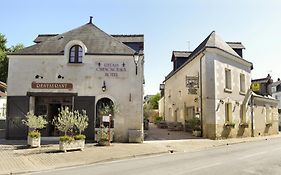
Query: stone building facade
x,y
211,82
81,68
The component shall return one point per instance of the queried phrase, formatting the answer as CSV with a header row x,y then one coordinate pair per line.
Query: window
x,y
228,112
75,54
242,83
228,79
243,114
268,114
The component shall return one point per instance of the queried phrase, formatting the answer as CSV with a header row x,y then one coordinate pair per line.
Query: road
x,y
260,157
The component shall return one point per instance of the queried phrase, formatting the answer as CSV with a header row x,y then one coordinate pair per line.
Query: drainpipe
x,y
252,115
201,92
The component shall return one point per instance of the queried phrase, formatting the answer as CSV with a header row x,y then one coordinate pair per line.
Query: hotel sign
x,y
111,69
192,84
35,85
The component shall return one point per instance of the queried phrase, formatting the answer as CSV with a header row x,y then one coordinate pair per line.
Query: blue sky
x,y
166,25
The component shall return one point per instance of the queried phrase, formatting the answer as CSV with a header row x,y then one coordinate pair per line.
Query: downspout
x,y
201,92
252,115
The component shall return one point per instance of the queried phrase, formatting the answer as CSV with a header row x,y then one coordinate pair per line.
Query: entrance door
x,y
52,113
49,107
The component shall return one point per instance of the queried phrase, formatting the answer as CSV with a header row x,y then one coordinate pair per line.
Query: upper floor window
x,y
75,54
228,79
242,83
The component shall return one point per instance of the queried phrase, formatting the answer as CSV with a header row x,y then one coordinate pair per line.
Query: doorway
x,y
104,107
52,113
49,107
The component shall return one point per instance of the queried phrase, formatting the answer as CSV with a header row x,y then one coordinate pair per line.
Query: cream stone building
x,y
212,83
83,68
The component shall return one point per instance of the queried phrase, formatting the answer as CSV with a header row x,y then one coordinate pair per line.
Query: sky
x,y
167,25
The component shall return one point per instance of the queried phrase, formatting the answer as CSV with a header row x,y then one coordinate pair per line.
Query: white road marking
x,y
200,168
252,155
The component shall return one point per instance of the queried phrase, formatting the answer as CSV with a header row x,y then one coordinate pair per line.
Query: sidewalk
x,y
16,158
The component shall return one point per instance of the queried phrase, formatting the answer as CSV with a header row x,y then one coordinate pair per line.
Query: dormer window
x,y
75,54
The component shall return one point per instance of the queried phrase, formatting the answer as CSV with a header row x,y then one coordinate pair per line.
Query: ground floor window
x,y
228,112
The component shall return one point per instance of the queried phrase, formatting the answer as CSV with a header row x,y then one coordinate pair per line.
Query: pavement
x,y
16,158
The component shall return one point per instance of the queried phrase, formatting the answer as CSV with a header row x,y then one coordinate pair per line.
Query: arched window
x,y
75,54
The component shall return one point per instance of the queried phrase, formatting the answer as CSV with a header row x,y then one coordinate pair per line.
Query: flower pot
x,y
103,143
71,145
196,133
34,141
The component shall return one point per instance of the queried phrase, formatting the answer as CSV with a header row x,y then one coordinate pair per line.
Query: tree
x,y
153,101
3,56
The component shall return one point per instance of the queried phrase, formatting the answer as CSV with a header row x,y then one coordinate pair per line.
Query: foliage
x,y
65,120
66,138
158,119
103,134
81,121
147,111
80,137
34,122
68,121
3,57
34,134
195,124
229,124
153,101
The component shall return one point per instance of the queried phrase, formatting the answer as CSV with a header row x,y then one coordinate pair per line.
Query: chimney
x,y
91,19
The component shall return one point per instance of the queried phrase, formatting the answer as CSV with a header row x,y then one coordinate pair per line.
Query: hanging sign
x,y
192,84
105,118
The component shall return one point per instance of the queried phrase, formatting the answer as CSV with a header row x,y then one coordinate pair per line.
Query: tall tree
x,y
3,56
153,101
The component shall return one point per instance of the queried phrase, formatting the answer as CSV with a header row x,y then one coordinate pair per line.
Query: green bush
x,y
34,122
66,138
158,119
34,134
80,137
195,124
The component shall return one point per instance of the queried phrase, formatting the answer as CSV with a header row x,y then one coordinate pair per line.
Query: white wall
x,y
126,89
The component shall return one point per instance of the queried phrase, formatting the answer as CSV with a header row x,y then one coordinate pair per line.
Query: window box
x,y
244,125
268,124
227,90
229,125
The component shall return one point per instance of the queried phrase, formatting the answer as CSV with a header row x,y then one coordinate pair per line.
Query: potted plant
x,y
103,136
244,125
195,124
229,124
69,123
105,133
34,123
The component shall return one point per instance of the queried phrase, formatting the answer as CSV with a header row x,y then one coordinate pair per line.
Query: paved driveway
x,y
155,133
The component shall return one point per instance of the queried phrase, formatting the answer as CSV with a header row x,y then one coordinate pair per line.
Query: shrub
x,y
68,121
34,134
66,138
195,124
80,137
158,119
34,122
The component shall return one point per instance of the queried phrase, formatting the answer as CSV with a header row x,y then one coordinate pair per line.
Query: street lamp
x,y
103,87
136,60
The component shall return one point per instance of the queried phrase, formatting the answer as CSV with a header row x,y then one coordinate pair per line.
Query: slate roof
x,y
97,42
236,45
130,38
276,83
212,41
43,37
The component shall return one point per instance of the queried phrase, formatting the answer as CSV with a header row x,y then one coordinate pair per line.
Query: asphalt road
x,y
260,157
